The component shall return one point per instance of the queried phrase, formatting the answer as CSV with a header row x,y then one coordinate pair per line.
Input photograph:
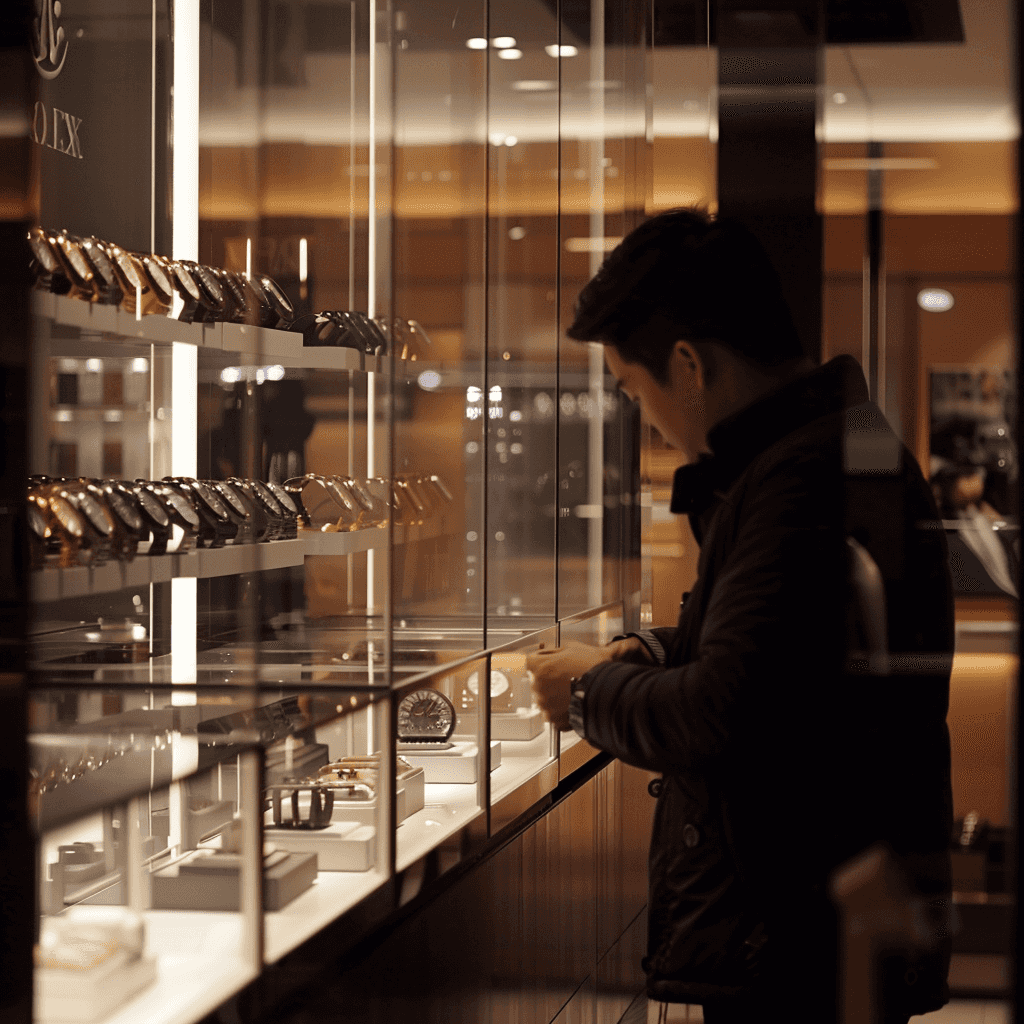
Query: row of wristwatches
x,y
88,522
147,284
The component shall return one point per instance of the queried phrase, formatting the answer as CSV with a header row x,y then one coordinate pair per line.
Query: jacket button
x,y
691,836
655,787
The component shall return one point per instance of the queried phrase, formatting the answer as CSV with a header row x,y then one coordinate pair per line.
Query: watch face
x,y
340,495
180,505
67,516
267,496
499,683
42,251
94,512
128,267
276,296
361,494
75,258
210,284
123,510
425,715
37,521
284,499
159,278
208,495
152,507
228,494
102,266
185,279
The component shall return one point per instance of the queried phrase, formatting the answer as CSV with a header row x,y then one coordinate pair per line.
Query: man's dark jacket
x,y
781,754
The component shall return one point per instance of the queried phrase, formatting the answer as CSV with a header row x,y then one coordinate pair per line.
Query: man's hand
x,y
550,670
631,649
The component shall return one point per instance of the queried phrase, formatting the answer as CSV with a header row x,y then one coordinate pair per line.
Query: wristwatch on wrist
x,y
577,710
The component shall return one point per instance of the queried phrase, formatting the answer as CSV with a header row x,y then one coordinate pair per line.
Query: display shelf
x,y
520,761
333,893
241,339
54,584
448,809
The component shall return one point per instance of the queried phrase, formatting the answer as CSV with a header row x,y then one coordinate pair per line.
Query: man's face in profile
x,y
676,408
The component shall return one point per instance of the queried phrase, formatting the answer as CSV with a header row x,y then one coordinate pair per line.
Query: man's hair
x,y
683,275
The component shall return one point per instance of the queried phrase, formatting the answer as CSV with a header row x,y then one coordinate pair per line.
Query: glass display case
x,y
310,471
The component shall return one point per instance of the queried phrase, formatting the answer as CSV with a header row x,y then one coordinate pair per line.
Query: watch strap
x,y
654,646
577,705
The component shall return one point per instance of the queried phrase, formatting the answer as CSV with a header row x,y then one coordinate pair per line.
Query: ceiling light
x,y
935,300
517,234
429,380
534,85
511,140
503,42
497,138
839,97
561,51
477,43
510,54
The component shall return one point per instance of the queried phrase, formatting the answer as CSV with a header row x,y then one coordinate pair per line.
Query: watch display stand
x,y
457,765
522,724
91,960
342,846
207,879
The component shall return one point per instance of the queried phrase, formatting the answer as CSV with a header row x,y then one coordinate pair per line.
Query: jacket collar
x,y
739,439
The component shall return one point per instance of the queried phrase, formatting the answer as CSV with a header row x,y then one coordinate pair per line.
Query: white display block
x,y
524,724
455,765
82,996
342,846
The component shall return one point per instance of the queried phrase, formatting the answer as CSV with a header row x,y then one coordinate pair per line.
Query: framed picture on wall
x,y
973,472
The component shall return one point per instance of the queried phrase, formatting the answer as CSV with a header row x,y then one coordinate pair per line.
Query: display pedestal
x,y
342,846
524,724
203,883
455,765
82,996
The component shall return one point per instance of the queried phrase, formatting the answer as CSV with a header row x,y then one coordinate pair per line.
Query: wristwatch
x,y
425,716
216,527
236,510
291,510
187,287
284,525
99,523
46,267
325,504
124,541
106,281
74,265
235,307
129,275
156,523
178,509
577,706
262,527
374,511
213,300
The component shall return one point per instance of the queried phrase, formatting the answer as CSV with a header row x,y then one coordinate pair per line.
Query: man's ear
x,y
689,364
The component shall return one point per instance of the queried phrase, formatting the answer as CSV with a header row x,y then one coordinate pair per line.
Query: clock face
x,y
425,715
499,683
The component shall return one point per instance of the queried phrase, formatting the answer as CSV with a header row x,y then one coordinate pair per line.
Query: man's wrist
x,y
577,706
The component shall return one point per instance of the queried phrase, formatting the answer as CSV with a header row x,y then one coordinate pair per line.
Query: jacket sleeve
x,y
773,623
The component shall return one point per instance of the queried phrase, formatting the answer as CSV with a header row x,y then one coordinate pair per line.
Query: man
x,y
782,751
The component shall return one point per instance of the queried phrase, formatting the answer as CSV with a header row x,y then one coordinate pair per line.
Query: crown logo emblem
x,y
50,41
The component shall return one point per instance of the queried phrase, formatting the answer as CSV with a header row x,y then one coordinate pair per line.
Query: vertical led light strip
x,y
371,285
184,358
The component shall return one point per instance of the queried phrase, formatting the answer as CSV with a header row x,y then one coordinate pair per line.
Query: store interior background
x,y
504,198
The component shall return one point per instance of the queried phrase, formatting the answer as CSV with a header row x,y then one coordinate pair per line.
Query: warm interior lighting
x,y
534,85
935,300
503,42
476,43
561,51
303,259
510,54
591,244
880,163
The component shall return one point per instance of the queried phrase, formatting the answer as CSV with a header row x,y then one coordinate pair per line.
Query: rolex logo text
x,y
57,129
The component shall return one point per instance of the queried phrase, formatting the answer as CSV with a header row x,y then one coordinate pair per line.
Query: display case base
x,y
342,846
456,765
84,996
525,724
192,885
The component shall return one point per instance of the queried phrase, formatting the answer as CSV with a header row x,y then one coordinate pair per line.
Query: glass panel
x,y
519,402
439,283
